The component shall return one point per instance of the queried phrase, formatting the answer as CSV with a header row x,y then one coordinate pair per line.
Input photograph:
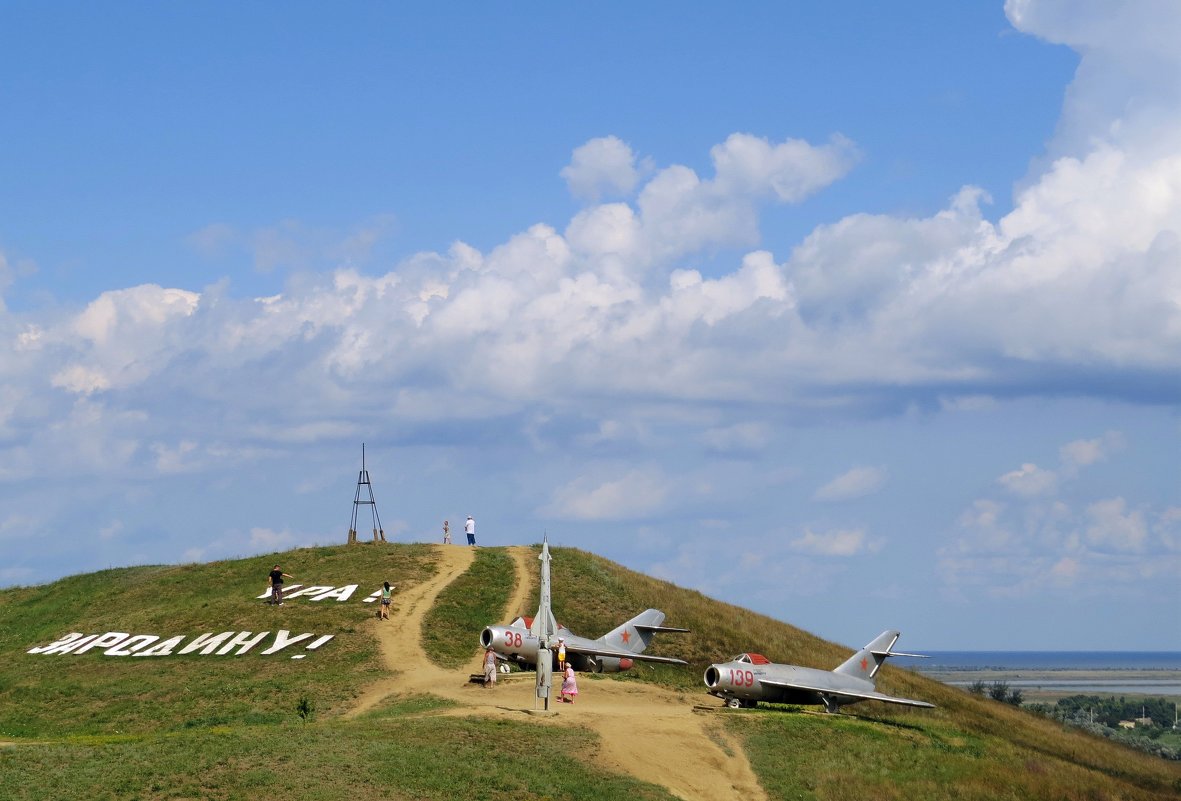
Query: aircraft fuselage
x,y
515,643
747,682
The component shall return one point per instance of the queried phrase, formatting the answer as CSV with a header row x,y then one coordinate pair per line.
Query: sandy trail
x,y
399,638
644,731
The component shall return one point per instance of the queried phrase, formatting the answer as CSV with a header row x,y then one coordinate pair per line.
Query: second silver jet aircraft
x,y
749,678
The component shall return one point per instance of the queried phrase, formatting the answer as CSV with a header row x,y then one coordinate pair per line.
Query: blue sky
x,y
859,316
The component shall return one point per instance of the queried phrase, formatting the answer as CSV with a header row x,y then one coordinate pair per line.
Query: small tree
x,y
999,691
305,708
978,687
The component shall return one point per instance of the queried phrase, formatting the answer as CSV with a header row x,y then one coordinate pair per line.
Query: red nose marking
x,y
625,664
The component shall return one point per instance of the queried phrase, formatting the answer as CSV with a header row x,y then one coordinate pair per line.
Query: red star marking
x,y
626,636
864,664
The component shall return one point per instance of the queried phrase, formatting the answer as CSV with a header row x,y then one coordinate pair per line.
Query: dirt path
x,y
399,641
524,560
644,731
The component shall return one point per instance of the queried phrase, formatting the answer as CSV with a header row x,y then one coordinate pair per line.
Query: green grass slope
x,y
230,727
226,727
969,747
451,628
395,757
57,695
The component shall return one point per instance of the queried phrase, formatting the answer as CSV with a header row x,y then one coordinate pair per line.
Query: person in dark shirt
x,y
277,577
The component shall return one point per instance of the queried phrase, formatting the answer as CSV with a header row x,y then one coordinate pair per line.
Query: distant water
x,y
1104,672
1045,660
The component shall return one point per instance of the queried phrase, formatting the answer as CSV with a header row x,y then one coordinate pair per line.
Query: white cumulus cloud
x,y
639,492
839,542
855,483
603,166
1084,452
790,170
1113,527
1029,480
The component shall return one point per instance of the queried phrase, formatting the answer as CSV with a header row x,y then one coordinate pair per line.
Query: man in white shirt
x,y
470,529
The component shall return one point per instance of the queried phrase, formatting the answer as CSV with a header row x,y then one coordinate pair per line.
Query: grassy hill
x,y
967,748
54,696
241,726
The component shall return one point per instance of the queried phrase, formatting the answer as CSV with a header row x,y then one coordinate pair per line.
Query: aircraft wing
x,y
866,696
594,649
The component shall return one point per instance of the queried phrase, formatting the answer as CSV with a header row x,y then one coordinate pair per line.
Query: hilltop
x,y
385,709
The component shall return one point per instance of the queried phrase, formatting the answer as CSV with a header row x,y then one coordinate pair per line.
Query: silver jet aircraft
x,y
614,651
749,678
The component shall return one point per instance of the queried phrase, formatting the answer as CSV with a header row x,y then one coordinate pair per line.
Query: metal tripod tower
x,y
363,482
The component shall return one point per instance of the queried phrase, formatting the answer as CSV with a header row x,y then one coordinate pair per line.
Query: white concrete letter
x,y
131,644
104,641
73,635
306,591
283,638
267,594
341,594
162,648
244,640
209,641
71,646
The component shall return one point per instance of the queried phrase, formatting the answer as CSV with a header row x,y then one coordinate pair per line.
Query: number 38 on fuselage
x,y
616,650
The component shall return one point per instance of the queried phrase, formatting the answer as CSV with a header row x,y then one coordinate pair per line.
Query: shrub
x,y
999,691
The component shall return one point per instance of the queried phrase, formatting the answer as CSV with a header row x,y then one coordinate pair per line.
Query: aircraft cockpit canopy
x,y
752,659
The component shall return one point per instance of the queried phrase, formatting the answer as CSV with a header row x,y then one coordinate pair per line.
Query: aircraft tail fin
x,y
865,663
636,634
667,629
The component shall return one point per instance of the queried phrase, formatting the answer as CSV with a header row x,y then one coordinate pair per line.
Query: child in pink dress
x,y
569,685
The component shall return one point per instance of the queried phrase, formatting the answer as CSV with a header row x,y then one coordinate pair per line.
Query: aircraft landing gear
x,y
741,703
830,704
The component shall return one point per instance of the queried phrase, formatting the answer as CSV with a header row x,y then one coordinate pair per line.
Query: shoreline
x,y
1048,684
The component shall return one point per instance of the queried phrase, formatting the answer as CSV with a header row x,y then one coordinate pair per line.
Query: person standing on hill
x,y
387,597
446,533
470,529
569,685
277,577
489,667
